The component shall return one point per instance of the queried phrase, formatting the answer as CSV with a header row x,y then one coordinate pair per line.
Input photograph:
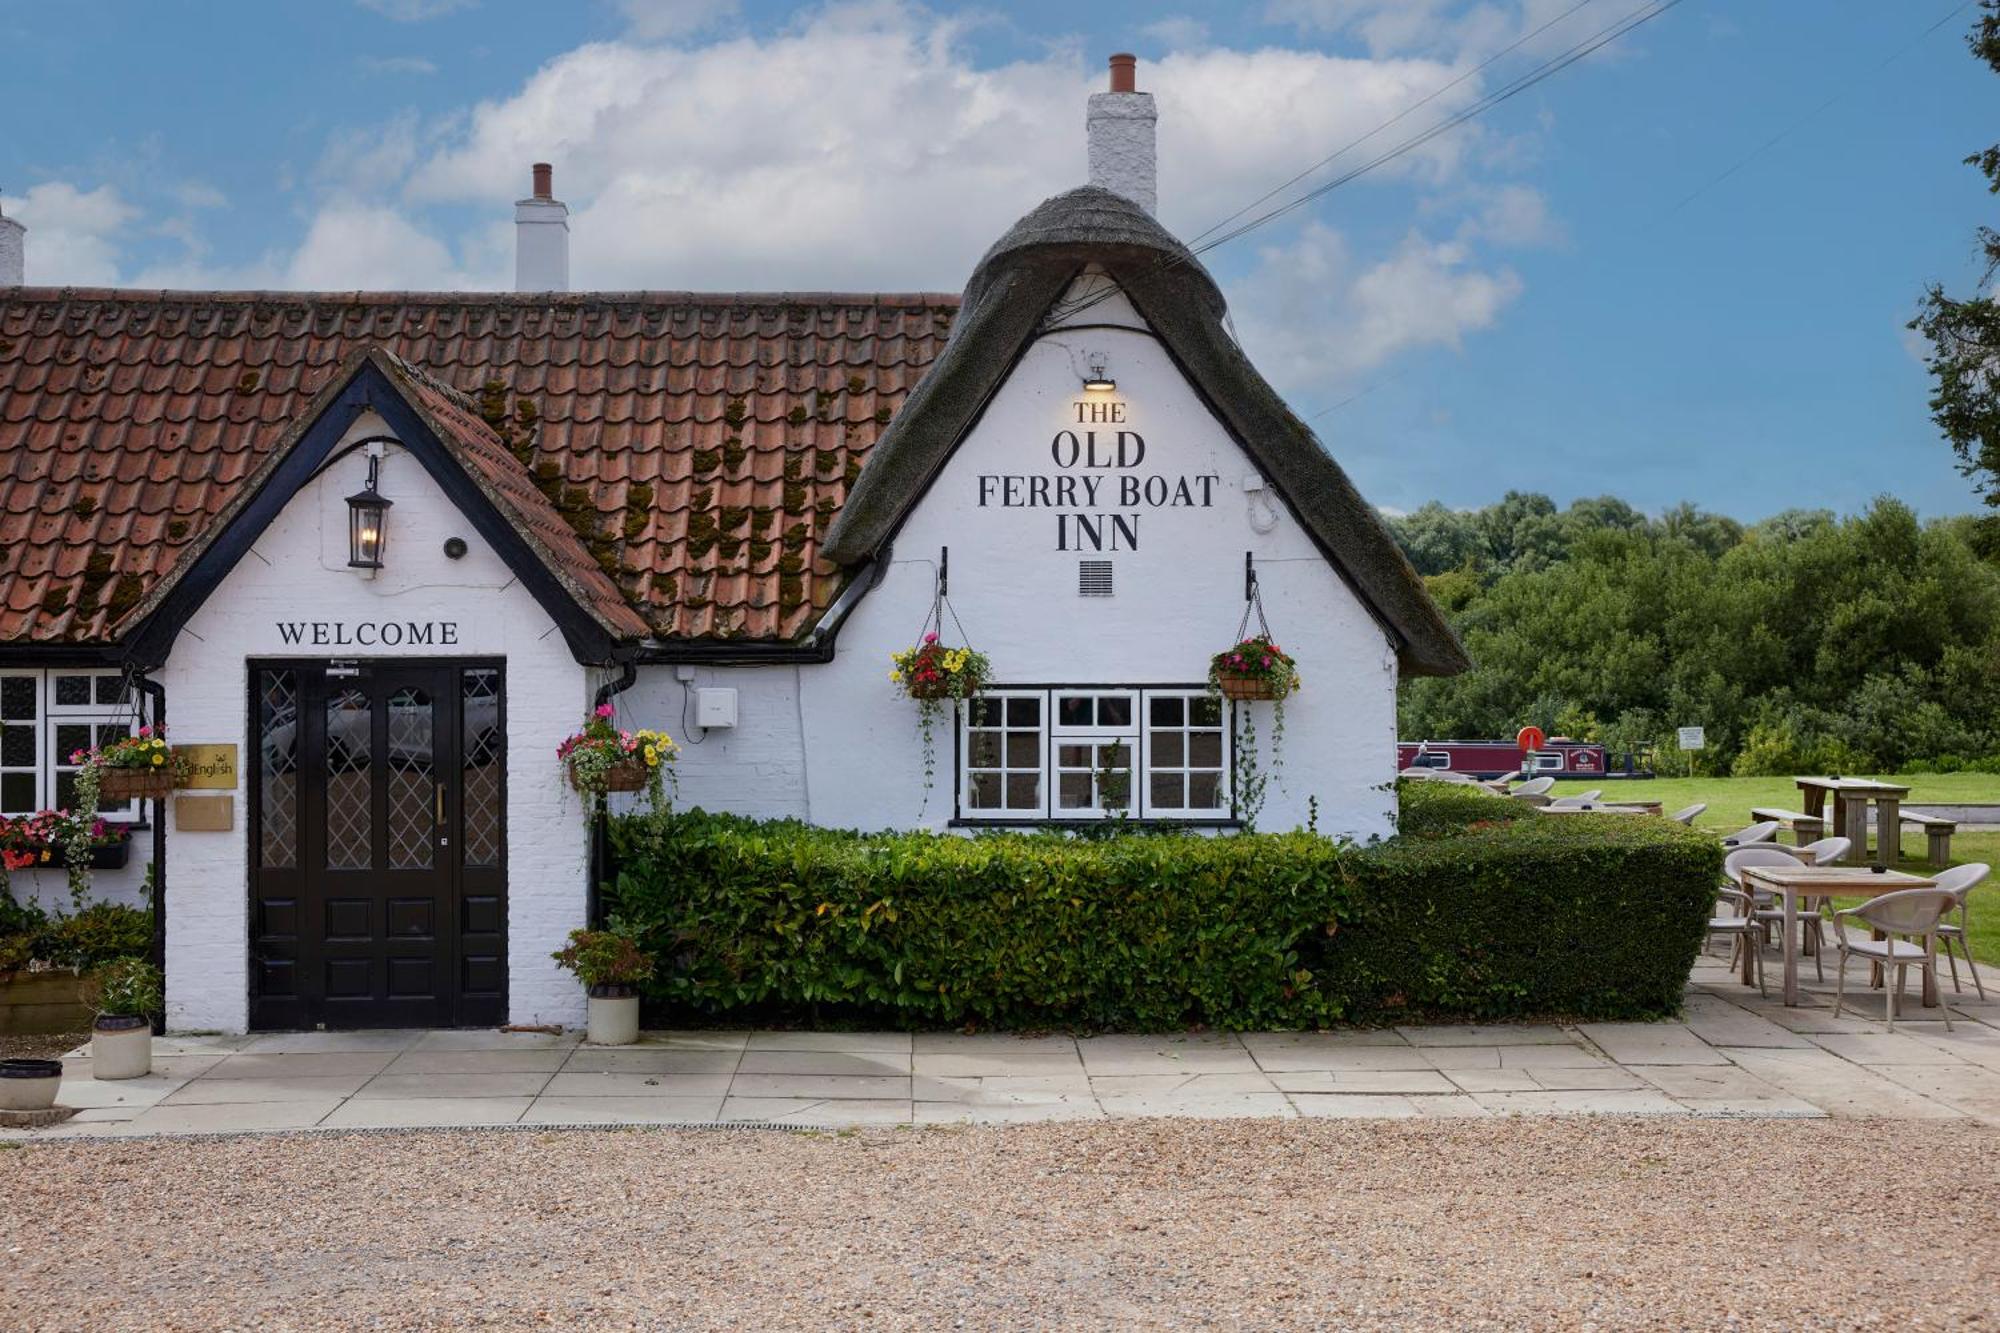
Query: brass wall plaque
x,y
204,814
210,767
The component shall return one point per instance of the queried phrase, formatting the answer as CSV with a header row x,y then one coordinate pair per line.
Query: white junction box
x,y
715,707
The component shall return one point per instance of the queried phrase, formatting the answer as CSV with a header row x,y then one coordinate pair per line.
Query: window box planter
x,y
146,784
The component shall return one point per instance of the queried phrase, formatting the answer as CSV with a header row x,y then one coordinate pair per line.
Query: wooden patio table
x,y
1850,813
1790,883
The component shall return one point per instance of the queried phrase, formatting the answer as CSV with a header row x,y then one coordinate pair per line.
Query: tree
x,y
1964,333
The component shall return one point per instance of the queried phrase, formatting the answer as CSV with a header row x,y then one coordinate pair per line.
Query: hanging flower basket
x,y
625,775
1233,685
121,784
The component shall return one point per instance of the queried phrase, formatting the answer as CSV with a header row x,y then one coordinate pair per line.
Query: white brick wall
x,y
299,570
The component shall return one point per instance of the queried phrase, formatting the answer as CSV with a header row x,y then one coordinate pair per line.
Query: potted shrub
x,y
611,964
602,758
937,677
128,991
29,1085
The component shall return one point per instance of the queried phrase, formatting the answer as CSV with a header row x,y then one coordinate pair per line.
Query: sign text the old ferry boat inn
x,y
1096,487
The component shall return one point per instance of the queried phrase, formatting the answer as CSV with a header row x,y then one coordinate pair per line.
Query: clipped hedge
x,y
1484,912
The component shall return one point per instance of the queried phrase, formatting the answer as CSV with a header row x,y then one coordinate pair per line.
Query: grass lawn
x,y
1730,799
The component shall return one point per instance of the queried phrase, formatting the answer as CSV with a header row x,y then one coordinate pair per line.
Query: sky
x,y
1678,270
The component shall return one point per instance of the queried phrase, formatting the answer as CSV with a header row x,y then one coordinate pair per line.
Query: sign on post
x,y
1692,738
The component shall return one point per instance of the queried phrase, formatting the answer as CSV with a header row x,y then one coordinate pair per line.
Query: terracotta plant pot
x,y
119,784
614,1016
29,1085
625,775
121,1047
1246,687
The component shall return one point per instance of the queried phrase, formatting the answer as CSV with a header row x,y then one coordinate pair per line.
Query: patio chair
x,y
1908,920
1825,852
1534,787
1770,913
1960,880
1572,803
1594,794
1689,815
1763,831
1743,928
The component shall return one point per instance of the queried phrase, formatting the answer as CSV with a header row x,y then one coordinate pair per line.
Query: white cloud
x,y
75,237
1312,315
1514,215
1455,29
352,245
651,20
407,65
415,11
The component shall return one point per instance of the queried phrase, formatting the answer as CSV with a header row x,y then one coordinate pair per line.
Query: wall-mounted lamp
x,y
1098,381
367,513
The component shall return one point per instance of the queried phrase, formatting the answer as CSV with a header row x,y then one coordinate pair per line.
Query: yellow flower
x,y
159,759
895,675
652,756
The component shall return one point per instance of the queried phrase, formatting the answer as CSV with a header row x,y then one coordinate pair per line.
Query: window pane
x,y
1073,791
1168,749
71,737
985,791
111,689
17,698
1205,749
1167,790
278,734
985,712
350,816
982,750
1073,710
412,780
1114,711
1024,791
1024,750
1205,791
1073,756
1205,710
17,793
17,747
1025,712
1167,712
66,790
72,691
482,754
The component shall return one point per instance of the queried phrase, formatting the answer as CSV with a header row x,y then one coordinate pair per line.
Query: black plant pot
x,y
612,990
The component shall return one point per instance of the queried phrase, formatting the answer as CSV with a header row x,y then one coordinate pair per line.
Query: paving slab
x,y
637,1086
1334,1105
559,1110
491,1039
1186,1085
313,1064
1877,1048
541,1060
425,1113
1060,1057
1720,1022
1215,1106
892,1043
1583,1078
755,1061
1494,1080
1729,1090
90,1094
221,1091
1004,1089
223,1118
694,1039
1275,1058
383,1039
1200,1054
1652,1044
652,1060
994,1113
397,1086
1579,1103
866,1087
810,1111
1487,1034
1839,1087
1363,1081
1550,1057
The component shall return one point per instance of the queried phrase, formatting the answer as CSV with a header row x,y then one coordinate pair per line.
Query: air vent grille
x,y
1093,578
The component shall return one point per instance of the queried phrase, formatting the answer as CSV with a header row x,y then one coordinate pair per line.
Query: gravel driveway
x,y
1160,1223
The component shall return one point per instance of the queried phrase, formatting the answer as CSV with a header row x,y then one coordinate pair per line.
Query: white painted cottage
x,y
721,514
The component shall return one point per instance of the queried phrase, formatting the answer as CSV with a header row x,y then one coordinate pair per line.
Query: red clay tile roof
x,y
698,444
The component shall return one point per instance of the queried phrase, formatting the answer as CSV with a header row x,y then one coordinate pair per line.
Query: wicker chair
x,y
1689,815
1908,922
1960,881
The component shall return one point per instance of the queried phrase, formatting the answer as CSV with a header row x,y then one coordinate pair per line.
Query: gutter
x,y
600,820
816,649
158,694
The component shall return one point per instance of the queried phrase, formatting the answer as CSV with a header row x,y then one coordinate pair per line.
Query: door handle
x,y
443,839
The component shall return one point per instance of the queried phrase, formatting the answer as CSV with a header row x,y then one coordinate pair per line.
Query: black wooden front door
x,y
377,844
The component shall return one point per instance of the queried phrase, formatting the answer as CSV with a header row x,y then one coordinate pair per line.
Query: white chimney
x,y
541,238
13,253
1121,123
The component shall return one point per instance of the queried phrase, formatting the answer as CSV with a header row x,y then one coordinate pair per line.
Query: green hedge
x,y
1477,912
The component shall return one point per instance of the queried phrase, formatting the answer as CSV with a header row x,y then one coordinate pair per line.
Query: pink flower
x,y
604,710
145,731
1267,661
930,638
1236,659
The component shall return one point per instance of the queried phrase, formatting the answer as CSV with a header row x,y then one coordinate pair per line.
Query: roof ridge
x,y
362,296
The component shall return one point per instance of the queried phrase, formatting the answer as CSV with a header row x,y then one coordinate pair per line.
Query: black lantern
x,y
367,511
